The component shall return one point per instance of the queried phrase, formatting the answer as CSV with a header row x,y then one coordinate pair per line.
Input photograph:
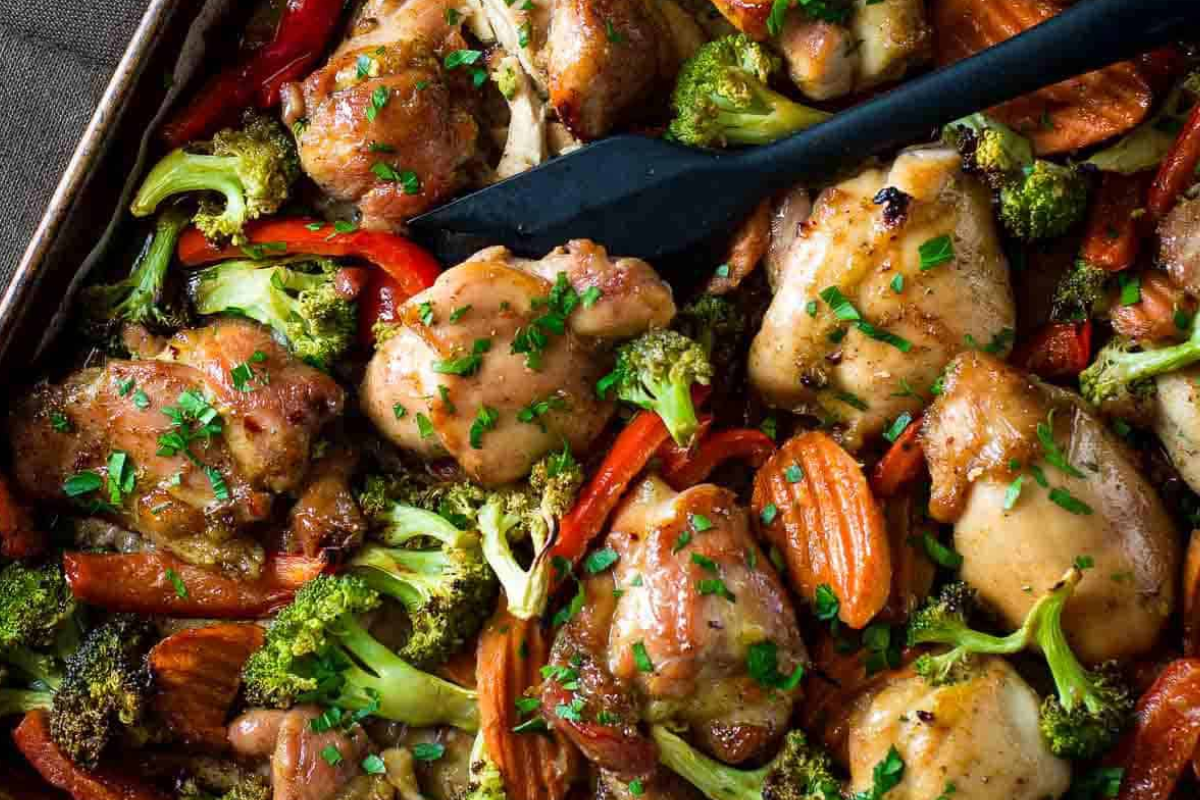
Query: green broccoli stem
x,y
180,171
715,780
779,117
37,666
526,591
672,401
404,692
21,701
1149,363
1071,678
405,523
410,576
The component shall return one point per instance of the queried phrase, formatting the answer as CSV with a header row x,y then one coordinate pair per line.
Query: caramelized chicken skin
x,y
981,735
985,422
407,111
608,61
418,402
695,593
864,239
194,506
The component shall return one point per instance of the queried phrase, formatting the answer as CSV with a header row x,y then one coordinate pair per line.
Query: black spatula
x,y
651,198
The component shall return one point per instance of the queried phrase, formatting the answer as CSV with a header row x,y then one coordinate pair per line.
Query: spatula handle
x,y
1089,35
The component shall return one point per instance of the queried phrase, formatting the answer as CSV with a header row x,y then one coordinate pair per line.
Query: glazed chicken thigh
x,y
862,271
668,635
423,396
1079,495
980,735
194,501
384,124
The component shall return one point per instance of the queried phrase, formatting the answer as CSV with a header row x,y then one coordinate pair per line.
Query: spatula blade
x,y
586,194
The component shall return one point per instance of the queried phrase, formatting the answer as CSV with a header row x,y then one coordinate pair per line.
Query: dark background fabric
x,y
55,60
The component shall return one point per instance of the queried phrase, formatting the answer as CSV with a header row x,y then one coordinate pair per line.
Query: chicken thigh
x,y
385,124
109,424
457,379
894,273
1077,494
668,636
980,735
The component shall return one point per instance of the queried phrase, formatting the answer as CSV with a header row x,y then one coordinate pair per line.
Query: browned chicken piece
x,y
1179,249
452,363
979,735
193,501
665,635
301,765
608,62
981,435
326,516
398,137
861,323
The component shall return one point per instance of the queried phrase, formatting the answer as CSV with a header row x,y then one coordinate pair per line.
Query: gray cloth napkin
x,y
55,60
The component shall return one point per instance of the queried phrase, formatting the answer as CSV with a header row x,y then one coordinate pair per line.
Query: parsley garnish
x,y
936,252
60,422
465,365
1050,450
485,420
1064,499
531,340
428,751
379,99
642,658
762,662
424,426
180,588
898,427
532,414
768,514
600,560
940,553
332,755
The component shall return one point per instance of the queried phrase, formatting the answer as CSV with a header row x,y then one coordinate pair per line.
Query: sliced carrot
x,y
1075,113
815,505
1165,736
1153,317
1113,237
157,583
33,739
902,464
1191,597
511,654
197,673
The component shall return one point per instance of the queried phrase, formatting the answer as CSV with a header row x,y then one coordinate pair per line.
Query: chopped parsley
x,y
532,414
898,427
681,541
459,312
332,755
897,283
1050,449
485,420
936,251
762,662
1131,288
940,553
141,400
410,182
399,411
379,99
715,586
769,513
467,59
428,751
641,658
852,400
825,604
60,422
424,426
704,562
591,296
600,560
425,313
180,588
793,474
465,365
1067,501
700,523
531,340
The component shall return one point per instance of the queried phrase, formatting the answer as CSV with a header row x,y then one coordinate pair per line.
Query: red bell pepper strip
x,y
1165,735
139,583
413,268
1178,170
33,739
305,28
672,456
630,454
901,464
1056,350
18,536
636,444
748,444
1113,235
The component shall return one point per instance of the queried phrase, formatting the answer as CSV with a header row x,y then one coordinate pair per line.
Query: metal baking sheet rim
x,y
92,147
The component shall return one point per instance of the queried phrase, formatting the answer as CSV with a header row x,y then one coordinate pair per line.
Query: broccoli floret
x,y
721,97
447,589
251,787
253,168
37,621
1045,203
529,511
104,688
1121,368
800,771
484,781
656,371
1090,709
717,324
1080,293
1038,199
317,650
294,296
1147,144
140,298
